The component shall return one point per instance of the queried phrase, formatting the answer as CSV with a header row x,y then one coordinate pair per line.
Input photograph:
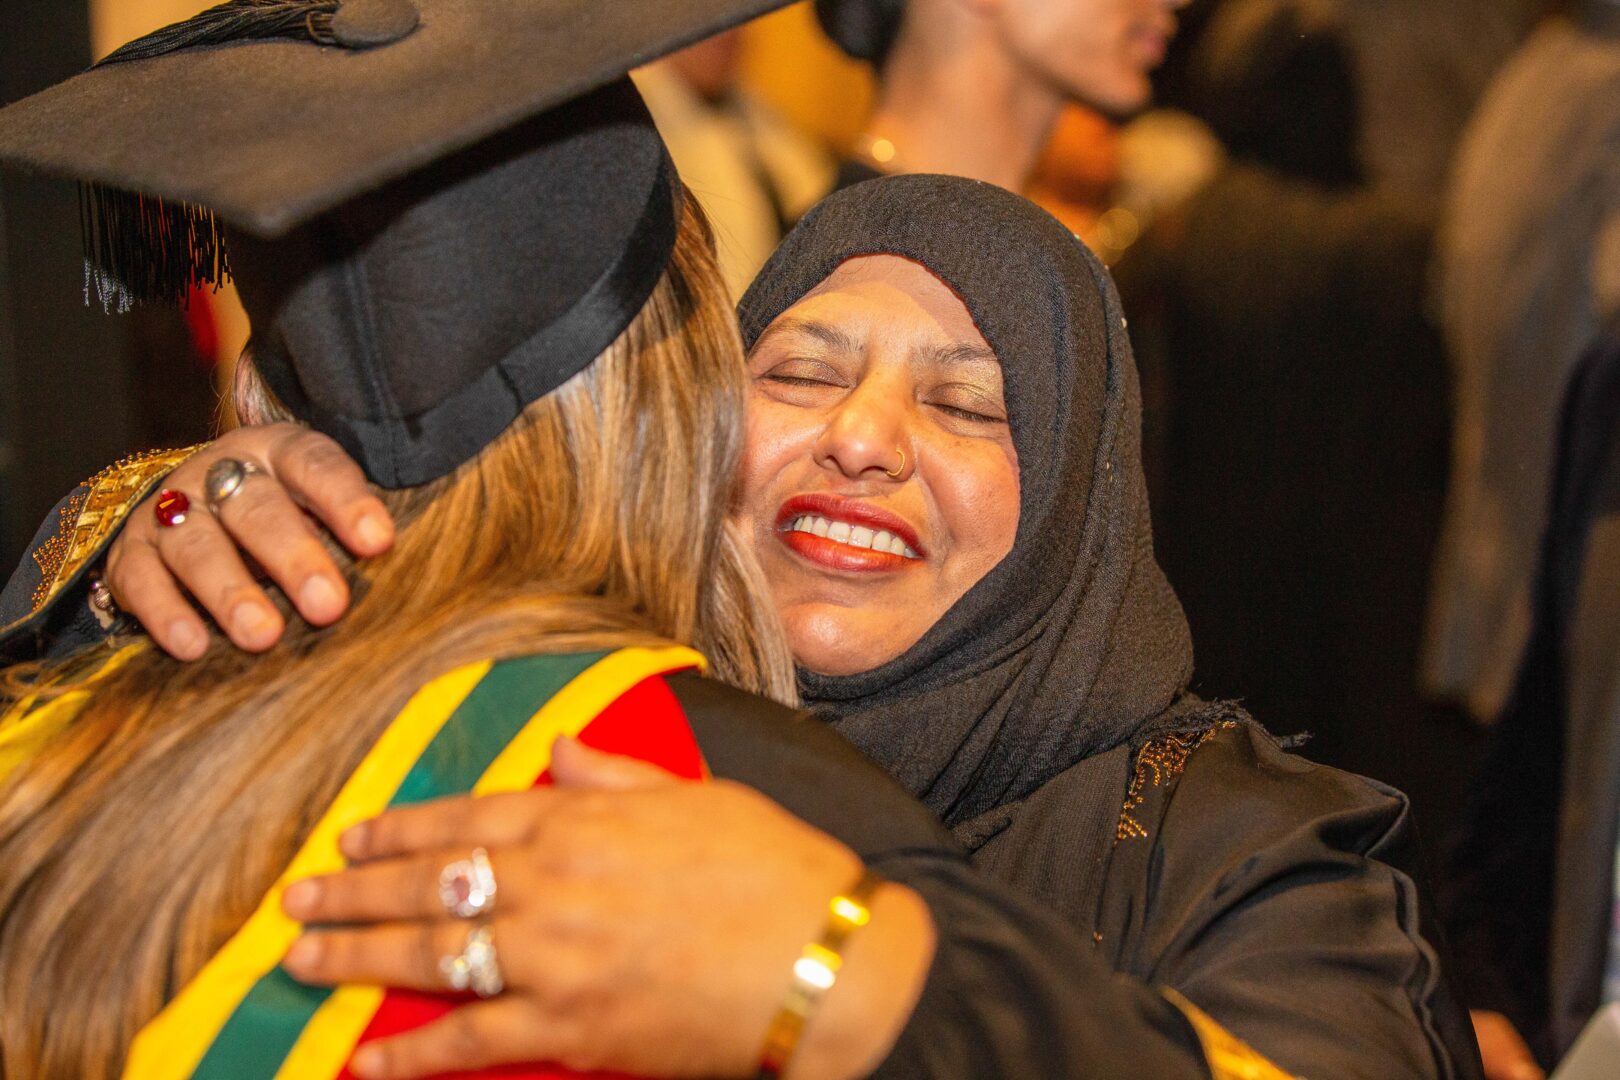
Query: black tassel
x,y
140,249
237,20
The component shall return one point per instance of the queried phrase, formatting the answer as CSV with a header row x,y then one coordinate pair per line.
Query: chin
x,y
828,645
1118,98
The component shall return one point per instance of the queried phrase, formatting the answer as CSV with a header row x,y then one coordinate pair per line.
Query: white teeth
x,y
854,535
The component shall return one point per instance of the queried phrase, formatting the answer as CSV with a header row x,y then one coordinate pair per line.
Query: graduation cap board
x,y
437,211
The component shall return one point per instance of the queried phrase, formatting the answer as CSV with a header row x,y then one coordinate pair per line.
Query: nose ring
x,y
898,469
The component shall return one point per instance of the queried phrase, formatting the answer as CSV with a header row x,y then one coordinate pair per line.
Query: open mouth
x,y
847,534
858,536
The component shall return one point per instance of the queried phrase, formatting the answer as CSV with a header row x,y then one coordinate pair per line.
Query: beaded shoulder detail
x,y
1157,763
87,520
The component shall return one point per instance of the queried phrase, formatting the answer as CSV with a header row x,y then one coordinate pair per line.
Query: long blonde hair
x,y
135,845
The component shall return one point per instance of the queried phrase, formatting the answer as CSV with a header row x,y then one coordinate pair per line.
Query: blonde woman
x,y
559,464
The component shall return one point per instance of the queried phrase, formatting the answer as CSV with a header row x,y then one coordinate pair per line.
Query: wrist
x,y
884,969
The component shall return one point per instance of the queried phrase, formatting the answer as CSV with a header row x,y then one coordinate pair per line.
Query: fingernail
x,y
367,1061
188,639
305,953
353,842
252,622
300,898
374,532
319,598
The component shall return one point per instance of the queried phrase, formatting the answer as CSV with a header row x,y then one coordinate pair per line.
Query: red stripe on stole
x,y
647,723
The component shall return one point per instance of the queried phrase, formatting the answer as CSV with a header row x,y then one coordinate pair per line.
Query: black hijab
x,y
1074,644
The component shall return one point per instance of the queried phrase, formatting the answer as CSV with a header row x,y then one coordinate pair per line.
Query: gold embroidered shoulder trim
x,y
1159,762
1229,1057
86,521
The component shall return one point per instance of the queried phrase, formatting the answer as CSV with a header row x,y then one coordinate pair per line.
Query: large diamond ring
x,y
476,969
467,886
225,478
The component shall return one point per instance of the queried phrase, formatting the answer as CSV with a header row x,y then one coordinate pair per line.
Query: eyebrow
x,y
831,336
839,340
961,352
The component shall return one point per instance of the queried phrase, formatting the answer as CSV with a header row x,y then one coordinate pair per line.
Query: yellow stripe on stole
x,y
1229,1057
329,1038
175,1042
24,730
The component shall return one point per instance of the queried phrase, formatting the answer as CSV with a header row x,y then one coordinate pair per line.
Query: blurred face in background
x,y
1098,52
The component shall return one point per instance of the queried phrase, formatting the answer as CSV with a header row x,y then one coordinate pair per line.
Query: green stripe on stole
x,y
270,1019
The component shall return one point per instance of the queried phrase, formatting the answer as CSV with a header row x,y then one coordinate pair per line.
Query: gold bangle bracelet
x,y
814,974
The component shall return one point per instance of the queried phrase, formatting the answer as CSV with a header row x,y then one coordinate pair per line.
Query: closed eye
x,y
969,415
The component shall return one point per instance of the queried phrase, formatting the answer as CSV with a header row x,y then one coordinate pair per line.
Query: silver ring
x,y
476,968
467,886
225,478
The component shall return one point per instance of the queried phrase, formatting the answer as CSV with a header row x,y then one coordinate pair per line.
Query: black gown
x,y
1239,895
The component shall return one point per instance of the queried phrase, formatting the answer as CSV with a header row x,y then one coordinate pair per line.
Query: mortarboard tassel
x,y
139,248
237,20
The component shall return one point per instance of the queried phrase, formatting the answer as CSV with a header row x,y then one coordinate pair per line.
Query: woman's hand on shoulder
x,y
151,569
642,925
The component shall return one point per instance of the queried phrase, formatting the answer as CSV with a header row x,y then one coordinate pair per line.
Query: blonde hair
x,y
143,837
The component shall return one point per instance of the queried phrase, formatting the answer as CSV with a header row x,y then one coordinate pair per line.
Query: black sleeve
x,y
65,623
1013,990
1278,898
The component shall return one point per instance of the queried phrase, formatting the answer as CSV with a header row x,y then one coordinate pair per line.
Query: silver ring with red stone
x,y
225,478
172,508
467,886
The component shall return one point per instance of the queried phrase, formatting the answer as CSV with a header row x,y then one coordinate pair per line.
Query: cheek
x,y
776,437
977,499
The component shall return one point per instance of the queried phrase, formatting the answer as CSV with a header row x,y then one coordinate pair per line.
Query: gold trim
x,y
87,520
1229,1057
1159,762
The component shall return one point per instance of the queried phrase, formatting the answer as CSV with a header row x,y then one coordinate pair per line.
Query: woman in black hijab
x,y
1238,893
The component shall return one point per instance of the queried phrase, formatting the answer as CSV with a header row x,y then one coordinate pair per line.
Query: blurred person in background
x,y
1421,67
1531,896
753,171
1529,270
975,87
1298,438
1530,275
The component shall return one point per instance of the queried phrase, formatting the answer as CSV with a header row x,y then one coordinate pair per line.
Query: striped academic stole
x,y
482,729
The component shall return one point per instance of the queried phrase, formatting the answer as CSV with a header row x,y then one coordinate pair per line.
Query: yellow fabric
x,y
24,730
574,707
172,1045
1229,1057
329,1038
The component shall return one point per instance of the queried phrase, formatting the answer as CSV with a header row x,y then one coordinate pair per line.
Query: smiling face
x,y
1099,52
880,480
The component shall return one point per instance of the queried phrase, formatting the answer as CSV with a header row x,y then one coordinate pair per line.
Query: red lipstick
x,y
834,555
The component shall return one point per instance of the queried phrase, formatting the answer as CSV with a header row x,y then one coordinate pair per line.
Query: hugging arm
x,y
171,579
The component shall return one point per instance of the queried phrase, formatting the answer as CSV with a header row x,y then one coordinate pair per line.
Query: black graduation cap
x,y
437,211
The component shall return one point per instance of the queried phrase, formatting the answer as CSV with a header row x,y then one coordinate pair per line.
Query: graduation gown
x,y
1243,914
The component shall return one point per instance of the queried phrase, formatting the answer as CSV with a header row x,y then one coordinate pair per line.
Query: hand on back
x,y
302,475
